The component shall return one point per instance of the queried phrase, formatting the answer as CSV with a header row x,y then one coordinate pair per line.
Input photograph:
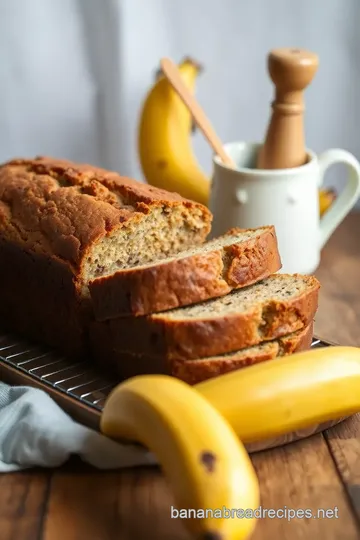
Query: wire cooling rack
x,y
75,384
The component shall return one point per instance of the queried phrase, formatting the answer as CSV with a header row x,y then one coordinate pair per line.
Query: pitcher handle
x,y
348,197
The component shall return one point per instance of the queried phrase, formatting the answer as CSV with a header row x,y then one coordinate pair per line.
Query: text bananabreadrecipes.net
x,y
258,513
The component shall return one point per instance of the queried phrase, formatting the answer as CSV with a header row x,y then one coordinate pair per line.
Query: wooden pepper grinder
x,y
291,71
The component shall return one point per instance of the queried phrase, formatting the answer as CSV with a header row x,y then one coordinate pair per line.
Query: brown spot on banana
x,y
162,164
212,536
208,459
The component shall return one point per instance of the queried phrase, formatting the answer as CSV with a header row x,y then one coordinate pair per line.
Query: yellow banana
x,y
164,141
326,198
289,393
206,464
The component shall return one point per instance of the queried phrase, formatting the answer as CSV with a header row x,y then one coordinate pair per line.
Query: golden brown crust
x,y
254,260
189,338
126,365
195,371
298,341
61,208
181,282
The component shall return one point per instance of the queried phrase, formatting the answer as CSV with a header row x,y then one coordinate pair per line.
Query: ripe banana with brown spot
x,y
207,466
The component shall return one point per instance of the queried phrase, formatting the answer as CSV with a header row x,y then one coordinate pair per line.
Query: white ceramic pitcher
x,y
247,197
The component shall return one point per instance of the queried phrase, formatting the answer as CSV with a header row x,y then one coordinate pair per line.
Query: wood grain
x,y
339,319
128,505
344,444
338,316
23,499
302,476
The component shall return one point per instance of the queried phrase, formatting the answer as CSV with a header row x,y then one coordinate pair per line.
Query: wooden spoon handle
x,y
172,74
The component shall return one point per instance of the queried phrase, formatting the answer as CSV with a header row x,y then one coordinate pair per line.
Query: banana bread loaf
x,y
274,307
62,224
236,259
126,365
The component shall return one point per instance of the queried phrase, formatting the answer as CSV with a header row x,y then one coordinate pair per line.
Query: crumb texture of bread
x,y
274,307
91,218
236,259
69,221
126,365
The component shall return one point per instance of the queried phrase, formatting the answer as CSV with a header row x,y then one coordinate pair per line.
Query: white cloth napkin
x,y
35,431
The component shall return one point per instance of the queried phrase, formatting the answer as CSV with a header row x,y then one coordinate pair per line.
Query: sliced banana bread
x,y
236,259
125,365
194,371
274,307
62,224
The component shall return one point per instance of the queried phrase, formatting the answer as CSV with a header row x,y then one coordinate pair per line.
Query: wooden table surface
x,y
323,471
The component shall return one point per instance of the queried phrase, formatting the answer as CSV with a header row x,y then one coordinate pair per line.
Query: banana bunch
x,y
192,429
164,142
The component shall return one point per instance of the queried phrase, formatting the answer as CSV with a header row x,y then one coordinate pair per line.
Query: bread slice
x,y
274,307
125,365
236,259
194,371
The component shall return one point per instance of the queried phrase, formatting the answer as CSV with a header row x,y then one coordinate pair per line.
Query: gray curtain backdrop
x,y
73,73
